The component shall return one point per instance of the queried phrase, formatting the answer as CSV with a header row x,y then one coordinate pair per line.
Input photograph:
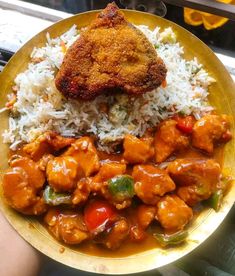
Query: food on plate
x,y
110,55
137,150
151,183
115,170
173,213
22,185
169,139
67,226
210,129
39,107
171,239
62,173
85,153
90,196
46,143
189,174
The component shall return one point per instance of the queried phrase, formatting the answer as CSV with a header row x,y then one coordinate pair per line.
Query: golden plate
x,y
222,97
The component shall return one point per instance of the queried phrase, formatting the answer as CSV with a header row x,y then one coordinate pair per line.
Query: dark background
x,y
221,39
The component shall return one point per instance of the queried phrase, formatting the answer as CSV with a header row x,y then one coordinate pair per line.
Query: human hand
x,y
17,257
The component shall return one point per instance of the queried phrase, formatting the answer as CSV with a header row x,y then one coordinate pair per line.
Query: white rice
x,y
41,107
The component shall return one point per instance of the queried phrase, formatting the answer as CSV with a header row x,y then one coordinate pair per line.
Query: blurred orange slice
x,y
226,1
192,17
210,21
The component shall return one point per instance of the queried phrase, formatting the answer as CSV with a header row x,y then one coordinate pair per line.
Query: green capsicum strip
x,y
215,200
172,239
53,198
121,187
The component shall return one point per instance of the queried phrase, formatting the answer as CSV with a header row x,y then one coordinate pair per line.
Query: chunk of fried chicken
x,y
107,171
82,191
172,213
140,217
66,226
209,130
113,237
99,183
197,178
110,54
169,139
63,172
22,185
47,143
137,150
85,153
151,183
145,215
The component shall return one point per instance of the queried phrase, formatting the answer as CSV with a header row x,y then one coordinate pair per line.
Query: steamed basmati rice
x,y
41,107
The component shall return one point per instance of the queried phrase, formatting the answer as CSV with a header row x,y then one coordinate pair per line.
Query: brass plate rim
x,y
123,265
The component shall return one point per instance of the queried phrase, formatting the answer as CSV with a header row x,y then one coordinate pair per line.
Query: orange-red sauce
x,y
130,247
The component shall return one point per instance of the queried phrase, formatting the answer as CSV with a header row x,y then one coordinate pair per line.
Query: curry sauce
x,y
143,196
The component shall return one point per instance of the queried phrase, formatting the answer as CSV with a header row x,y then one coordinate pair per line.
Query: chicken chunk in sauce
x,y
151,183
66,226
82,191
35,176
172,213
46,143
117,199
107,171
169,139
85,153
209,130
141,220
22,184
113,237
137,150
100,183
145,215
197,178
63,173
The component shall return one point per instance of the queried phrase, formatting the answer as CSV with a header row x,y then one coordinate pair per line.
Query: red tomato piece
x,y
97,214
185,124
227,136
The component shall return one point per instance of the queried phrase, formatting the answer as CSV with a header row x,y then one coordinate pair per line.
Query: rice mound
x,y
41,107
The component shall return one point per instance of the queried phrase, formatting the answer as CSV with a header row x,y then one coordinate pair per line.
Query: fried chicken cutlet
x,y
110,55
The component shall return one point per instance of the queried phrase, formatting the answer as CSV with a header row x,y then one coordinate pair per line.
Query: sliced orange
x,y
192,17
210,21
225,1
213,21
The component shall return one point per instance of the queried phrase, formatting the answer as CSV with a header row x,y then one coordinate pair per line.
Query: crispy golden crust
x,y
110,55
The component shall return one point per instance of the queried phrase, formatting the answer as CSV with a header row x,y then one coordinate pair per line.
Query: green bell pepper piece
x,y
53,198
172,239
121,187
215,200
